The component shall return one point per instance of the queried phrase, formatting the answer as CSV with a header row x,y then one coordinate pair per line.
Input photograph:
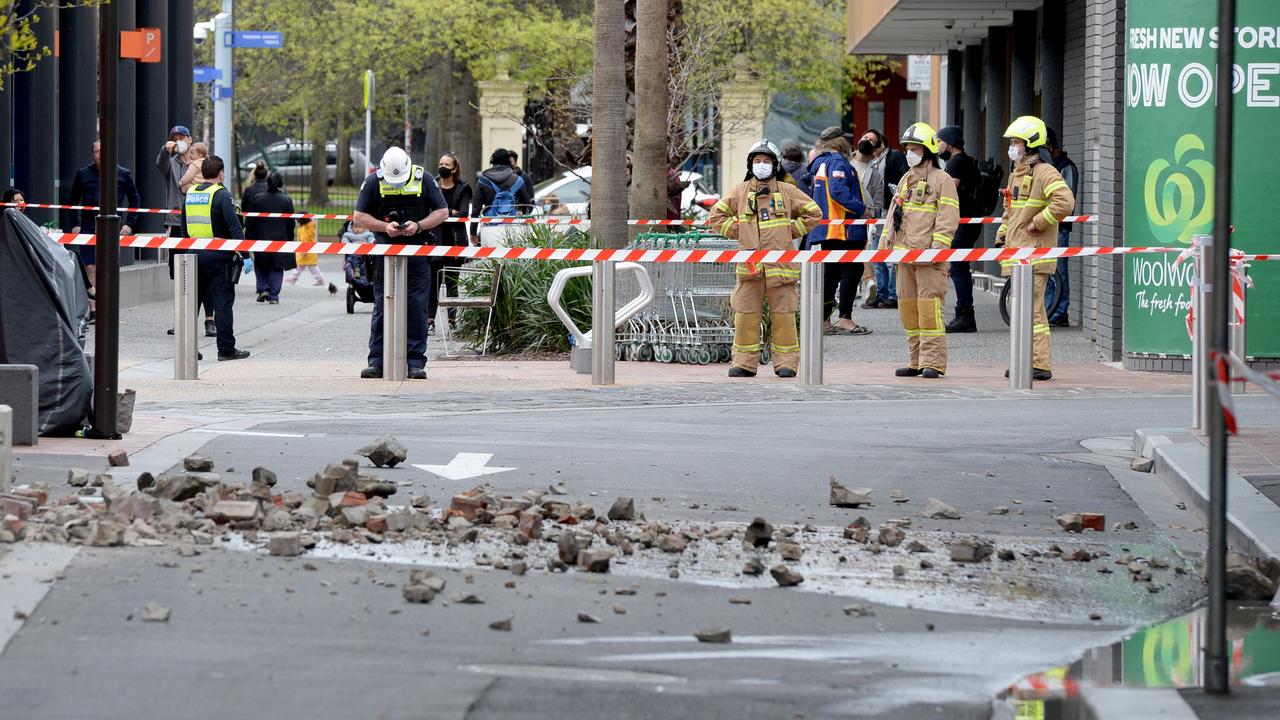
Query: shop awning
x,y
925,27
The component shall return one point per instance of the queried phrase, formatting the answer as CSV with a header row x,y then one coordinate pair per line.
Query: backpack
x,y
504,200
989,188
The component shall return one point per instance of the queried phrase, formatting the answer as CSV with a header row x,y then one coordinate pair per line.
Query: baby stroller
x,y
359,271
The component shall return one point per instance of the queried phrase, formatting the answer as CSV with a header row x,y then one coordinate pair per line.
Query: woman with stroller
x,y
270,267
457,196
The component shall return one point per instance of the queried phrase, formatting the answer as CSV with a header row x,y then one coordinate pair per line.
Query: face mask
x,y
446,172
946,155
1015,153
762,171
914,158
182,146
790,166
866,148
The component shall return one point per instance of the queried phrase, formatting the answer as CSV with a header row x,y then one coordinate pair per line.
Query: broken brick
x,y
285,544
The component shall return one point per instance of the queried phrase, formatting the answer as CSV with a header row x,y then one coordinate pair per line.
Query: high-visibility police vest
x,y
406,202
199,206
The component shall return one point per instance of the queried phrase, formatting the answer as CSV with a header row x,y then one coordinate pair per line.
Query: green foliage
x,y
522,319
20,47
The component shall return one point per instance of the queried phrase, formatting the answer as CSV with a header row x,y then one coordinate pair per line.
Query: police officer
x,y
209,212
401,204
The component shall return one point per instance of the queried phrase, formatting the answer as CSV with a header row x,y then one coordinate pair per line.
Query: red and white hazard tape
x,y
1223,365
1240,280
512,220
617,255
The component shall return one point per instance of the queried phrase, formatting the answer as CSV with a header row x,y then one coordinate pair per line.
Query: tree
x,y
653,103
609,127
20,48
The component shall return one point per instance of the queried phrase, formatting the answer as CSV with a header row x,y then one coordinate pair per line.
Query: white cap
x,y
396,166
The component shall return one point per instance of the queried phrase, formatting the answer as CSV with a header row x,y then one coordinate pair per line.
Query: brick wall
x,y
1103,168
1074,132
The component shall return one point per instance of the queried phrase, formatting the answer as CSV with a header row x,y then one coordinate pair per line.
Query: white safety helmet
x,y
395,167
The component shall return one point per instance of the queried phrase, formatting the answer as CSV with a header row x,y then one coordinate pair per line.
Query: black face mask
x,y
446,172
866,148
946,155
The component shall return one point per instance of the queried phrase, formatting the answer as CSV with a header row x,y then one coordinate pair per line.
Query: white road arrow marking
x,y
464,466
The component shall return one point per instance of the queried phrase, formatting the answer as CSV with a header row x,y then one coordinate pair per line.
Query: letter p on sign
x,y
143,44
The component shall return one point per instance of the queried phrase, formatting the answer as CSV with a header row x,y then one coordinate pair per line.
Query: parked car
x,y
570,192
292,159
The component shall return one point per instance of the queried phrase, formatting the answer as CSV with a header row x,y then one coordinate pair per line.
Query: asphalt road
x,y
251,634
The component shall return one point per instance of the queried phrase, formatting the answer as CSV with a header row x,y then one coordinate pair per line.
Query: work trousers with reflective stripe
x,y
747,303
922,290
1041,345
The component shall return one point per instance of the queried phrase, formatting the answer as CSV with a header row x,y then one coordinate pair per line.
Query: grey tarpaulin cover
x,y
43,308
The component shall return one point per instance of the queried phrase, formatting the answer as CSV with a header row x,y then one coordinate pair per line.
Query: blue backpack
x,y
504,200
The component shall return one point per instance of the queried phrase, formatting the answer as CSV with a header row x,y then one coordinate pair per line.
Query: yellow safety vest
x,y
412,187
199,207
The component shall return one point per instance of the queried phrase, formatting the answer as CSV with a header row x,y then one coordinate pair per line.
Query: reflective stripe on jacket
x,y
839,194
930,210
770,221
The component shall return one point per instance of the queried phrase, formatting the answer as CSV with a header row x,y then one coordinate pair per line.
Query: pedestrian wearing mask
x,y
763,213
173,162
1036,200
402,205
963,170
837,190
87,189
269,268
926,212
457,197
793,161
890,164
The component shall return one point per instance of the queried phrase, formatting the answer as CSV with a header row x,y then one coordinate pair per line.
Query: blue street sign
x,y
220,92
204,73
253,39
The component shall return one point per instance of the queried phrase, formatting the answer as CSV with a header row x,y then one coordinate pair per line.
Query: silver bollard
x,y
811,324
1022,294
186,301
395,319
602,317
6,447
1200,335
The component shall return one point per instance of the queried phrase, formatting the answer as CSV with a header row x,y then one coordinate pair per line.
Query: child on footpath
x,y
310,261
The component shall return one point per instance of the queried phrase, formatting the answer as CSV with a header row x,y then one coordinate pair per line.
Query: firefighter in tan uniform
x,y
926,212
1036,200
763,213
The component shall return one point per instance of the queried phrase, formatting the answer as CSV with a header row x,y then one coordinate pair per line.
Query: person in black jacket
x,y
86,190
499,177
259,185
209,212
962,168
269,267
458,197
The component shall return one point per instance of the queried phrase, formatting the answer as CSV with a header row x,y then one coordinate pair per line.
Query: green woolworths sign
x,y
1170,70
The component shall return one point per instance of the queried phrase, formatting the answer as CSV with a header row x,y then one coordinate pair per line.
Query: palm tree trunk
x,y
609,127
650,162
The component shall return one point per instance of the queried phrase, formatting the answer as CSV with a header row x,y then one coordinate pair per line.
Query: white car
x,y
569,194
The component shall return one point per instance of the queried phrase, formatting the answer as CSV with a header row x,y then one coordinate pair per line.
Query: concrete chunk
x,y
386,451
197,463
935,509
844,497
285,544
624,508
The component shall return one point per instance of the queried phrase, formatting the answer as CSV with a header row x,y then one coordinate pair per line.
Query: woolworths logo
x,y
1179,194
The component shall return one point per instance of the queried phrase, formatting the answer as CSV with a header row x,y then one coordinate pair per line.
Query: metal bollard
x,y
1022,294
811,324
6,447
1200,335
602,317
185,303
395,319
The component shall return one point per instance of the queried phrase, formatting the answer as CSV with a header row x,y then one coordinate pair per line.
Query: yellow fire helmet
x,y
1029,128
921,134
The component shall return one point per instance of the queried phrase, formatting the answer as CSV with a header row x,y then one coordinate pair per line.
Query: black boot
x,y
907,372
963,322
738,372
930,373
